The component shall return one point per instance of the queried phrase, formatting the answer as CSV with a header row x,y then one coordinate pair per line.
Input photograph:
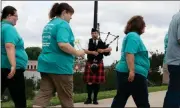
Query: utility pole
x,y
95,14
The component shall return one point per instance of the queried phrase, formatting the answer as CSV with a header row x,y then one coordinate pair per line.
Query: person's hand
x,y
80,53
131,76
109,49
11,74
95,53
100,50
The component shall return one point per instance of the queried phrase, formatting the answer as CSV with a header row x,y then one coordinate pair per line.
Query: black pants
x,y
172,98
16,86
138,89
93,88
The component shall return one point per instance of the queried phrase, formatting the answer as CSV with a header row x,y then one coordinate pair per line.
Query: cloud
x,y
112,16
159,15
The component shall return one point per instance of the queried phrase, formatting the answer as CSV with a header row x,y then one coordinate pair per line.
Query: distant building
x,y
31,70
32,65
79,65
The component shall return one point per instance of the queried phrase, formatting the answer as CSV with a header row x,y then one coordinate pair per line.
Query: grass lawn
x,y
82,97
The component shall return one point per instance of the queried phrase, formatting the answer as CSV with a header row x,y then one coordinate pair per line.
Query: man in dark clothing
x,y
94,70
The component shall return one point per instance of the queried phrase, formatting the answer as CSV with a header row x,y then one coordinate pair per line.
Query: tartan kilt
x,y
90,77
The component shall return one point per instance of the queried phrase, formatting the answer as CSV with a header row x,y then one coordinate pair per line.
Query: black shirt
x,y
92,46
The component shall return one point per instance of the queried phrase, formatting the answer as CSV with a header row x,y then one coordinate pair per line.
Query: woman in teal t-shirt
x,y
132,69
56,60
13,58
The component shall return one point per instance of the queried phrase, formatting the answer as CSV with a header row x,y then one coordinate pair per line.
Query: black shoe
x,y
95,102
88,101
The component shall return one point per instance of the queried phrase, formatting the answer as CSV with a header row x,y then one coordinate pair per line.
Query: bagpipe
x,y
108,34
108,44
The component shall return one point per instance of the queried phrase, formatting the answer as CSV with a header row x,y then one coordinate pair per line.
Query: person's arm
x,y
131,48
130,61
178,34
165,42
10,49
63,40
103,50
87,51
11,39
66,47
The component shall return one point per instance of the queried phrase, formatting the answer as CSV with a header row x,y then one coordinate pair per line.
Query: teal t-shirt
x,y
165,47
133,44
53,59
10,35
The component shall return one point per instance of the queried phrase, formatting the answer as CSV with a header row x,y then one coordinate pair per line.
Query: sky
x,y
112,16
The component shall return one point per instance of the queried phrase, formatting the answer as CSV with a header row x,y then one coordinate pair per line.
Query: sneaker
x,y
95,102
88,101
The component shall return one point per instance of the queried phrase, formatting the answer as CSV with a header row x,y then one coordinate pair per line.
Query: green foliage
x,y
155,78
38,84
156,60
110,75
33,52
30,87
79,85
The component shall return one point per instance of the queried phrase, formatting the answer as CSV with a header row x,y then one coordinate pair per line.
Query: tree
x,y
30,87
156,60
33,52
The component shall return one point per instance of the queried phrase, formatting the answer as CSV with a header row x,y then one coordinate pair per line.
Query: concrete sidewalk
x,y
156,99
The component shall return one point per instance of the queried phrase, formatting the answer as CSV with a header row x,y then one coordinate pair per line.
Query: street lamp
x,y
95,14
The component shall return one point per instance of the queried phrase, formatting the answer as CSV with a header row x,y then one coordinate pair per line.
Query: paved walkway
x,y
156,100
